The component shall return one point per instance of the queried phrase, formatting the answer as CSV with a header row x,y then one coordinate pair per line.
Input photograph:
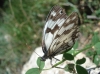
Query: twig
x,y
25,14
93,17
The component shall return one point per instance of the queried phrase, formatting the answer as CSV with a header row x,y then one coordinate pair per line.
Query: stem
x,y
47,69
58,63
82,50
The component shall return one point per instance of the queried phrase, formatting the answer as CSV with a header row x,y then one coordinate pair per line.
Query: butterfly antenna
x,y
37,54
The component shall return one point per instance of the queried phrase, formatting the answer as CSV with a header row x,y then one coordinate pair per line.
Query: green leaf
x,y
81,61
72,51
68,56
33,71
97,47
96,60
75,45
95,38
81,70
66,68
89,53
69,67
40,63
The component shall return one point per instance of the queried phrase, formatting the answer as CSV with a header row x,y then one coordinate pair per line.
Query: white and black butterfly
x,y
60,32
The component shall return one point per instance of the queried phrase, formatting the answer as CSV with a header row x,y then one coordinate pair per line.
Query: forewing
x,y
66,35
54,21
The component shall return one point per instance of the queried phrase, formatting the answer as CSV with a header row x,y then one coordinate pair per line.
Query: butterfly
x,y
60,32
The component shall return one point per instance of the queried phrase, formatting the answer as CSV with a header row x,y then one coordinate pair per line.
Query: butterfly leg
x,y
51,62
56,59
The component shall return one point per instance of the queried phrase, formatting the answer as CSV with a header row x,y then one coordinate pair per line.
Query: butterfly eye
x,y
61,11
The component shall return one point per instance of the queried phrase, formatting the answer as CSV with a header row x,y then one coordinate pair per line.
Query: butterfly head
x,y
43,58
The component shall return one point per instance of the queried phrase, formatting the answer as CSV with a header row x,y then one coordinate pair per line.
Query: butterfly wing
x,y
54,21
66,36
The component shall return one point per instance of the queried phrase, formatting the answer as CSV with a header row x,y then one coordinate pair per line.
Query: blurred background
x,y
22,22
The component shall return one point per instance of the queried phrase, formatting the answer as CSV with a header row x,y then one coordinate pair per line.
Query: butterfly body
x,y
60,32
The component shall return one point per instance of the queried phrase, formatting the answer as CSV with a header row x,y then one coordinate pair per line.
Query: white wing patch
x,y
60,22
61,31
67,21
69,26
48,39
53,13
73,17
50,23
65,28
